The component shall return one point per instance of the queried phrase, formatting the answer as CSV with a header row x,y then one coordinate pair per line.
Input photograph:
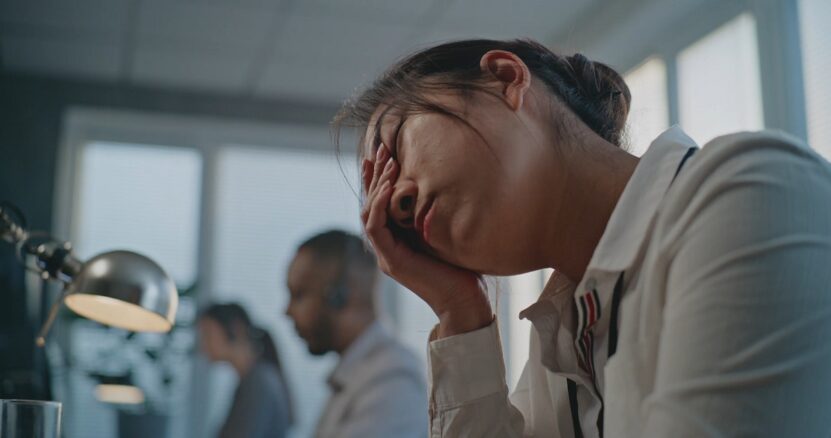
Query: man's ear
x,y
512,74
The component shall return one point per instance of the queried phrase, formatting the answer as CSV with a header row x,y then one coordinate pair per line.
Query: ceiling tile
x,y
101,15
218,70
314,79
538,19
374,11
60,57
220,24
436,36
328,57
340,39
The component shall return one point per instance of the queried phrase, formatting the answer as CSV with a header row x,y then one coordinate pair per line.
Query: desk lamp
x,y
122,289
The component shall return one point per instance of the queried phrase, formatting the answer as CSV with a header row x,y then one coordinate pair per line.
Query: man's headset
x,y
339,292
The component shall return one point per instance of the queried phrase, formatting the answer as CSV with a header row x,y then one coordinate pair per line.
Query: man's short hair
x,y
355,261
339,245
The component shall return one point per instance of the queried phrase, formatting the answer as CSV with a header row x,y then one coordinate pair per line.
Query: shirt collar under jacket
x,y
352,358
554,315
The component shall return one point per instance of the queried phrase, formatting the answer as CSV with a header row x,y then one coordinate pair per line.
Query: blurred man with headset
x,y
378,387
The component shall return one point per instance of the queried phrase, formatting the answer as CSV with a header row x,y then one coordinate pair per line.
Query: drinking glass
x,y
30,419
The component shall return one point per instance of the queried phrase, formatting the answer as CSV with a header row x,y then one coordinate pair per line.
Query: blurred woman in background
x,y
262,407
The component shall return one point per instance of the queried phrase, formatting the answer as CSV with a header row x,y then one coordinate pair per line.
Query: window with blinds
x,y
142,198
719,88
649,110
814,17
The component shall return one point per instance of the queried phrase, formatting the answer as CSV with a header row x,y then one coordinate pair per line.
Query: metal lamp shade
x,y
126,290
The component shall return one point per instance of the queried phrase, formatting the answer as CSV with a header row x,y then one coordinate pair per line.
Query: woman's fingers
x,y
376,221
372,173
381,158
389,173
376,226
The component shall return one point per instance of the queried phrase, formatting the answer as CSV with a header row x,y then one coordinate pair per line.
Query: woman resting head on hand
x,y
488,157
688,306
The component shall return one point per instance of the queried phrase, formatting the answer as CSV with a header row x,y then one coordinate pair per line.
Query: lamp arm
x,y
54,259
40,341
10,230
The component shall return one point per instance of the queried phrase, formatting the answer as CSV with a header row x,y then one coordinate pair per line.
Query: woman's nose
x,y
403,203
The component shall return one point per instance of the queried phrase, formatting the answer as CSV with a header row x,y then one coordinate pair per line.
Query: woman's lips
x,y
421,218
425,226
424,221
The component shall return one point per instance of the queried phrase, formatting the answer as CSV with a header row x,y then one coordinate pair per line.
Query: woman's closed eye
x,y
396,146
393,141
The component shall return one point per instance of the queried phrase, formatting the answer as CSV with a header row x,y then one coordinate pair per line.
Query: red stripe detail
x,y
593,316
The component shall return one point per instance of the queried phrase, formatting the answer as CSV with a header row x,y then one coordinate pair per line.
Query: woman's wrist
x,y
464,319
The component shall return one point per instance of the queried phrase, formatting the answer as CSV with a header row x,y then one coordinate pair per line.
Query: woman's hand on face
x,y
455,294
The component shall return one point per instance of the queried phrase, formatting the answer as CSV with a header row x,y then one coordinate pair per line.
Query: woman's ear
x,y
512,74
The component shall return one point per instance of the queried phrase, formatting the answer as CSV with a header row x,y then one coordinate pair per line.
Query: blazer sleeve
x,y
745,345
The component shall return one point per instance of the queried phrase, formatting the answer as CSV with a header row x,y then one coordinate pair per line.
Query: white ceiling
x,y
316,50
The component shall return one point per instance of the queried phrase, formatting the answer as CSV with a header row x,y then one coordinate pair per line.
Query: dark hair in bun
x,y
595,92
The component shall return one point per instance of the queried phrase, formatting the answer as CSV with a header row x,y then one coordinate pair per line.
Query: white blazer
x,y
705,310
